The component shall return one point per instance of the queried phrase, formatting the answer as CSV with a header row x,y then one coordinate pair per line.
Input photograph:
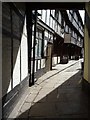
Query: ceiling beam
x,y
57,5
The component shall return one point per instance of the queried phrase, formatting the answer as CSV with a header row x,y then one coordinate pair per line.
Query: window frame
x,y
39,39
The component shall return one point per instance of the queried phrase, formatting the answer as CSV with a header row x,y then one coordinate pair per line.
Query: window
x,y
75,17
75,35
69,30
79,39
39,43
72,33
59,17
66,28
46,37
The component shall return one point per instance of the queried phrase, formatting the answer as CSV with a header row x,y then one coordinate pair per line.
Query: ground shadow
x,y
66,101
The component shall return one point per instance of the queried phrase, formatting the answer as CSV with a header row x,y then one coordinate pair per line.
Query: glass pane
x,y
40,35
45,47
40,47
36,33
32,53
32,40
36,48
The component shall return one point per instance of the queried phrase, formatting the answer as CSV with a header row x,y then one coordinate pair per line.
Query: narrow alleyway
x,y
57,94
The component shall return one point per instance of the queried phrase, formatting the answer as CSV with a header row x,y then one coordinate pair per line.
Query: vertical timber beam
x,y
29,38
35,24
1,62
11,48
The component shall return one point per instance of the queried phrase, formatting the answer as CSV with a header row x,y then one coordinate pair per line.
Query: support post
x,y
35,24
11,48
29,39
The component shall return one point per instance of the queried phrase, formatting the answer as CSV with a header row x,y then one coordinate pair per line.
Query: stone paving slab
x,y
57,69
31,98
17,109
40,97
26,106
53,92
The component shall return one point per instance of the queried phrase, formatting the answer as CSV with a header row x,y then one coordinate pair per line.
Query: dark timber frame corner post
x,y
35,26
29,38
11,48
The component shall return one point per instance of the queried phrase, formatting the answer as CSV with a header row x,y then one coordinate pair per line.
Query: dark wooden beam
x,y
11,48
33,68
57,5
29,39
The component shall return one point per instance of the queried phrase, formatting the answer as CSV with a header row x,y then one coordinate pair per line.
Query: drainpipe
x,y
29,39
35,24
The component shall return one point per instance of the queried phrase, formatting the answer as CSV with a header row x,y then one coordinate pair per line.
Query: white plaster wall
x,y
54,60
58,59
9,88
48,14
35,66
42,63
51,20
59,17
16,62
38,64
24,57
16,59
43,15
24,53
31,65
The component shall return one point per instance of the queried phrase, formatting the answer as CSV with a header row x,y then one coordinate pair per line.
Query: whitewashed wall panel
x,y
54,60
16,63
24,57
43,15
58,59
35,66
42,63
38,64
48,15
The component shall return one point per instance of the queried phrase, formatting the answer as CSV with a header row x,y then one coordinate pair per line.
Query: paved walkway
x,y
57,94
